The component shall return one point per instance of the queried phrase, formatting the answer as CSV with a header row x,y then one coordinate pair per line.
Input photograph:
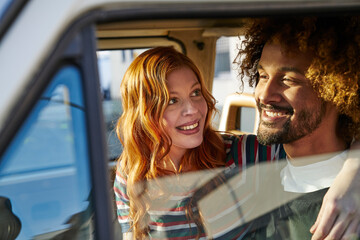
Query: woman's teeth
x,y
190,127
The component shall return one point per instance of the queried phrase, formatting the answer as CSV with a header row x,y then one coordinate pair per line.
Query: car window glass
x,y
44,174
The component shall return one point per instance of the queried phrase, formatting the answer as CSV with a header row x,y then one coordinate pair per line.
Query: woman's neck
x,y
176,154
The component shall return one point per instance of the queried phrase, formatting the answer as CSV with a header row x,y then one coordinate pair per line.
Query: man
x,y
307,76
307,91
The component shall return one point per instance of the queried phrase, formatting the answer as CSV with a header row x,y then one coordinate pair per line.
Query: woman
x,y
165,130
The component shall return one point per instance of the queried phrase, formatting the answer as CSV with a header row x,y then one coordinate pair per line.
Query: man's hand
x,y
339,216
128,236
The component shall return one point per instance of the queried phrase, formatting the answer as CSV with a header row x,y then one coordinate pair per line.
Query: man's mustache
x,y
260,106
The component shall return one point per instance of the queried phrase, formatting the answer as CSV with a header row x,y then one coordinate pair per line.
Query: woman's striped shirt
x,y
169,219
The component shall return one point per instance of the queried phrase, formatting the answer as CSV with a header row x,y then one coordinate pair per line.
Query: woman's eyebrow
x,y
197,83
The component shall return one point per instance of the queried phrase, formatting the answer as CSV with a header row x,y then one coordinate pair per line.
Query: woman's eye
x,y
172,101
197,92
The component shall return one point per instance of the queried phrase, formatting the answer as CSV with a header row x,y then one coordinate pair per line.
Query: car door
x,y
53,168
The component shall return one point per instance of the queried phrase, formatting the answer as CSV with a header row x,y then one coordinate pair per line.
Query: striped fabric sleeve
x,y
122,201
245,150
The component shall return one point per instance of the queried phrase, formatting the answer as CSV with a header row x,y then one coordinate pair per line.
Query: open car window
x,y
44,175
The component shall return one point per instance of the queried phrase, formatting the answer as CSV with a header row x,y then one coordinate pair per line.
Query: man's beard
x,y
308,120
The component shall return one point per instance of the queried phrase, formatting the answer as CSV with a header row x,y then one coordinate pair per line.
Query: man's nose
x,y
269,91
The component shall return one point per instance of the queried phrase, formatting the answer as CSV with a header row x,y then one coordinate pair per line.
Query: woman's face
x,y
185,114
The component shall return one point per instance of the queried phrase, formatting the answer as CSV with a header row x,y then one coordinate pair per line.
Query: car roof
x,y
32,37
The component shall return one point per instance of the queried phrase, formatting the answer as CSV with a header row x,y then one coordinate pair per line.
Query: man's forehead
x,y
285,58
290,48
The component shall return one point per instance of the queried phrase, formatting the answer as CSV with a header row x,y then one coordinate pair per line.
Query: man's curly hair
x,y
335,68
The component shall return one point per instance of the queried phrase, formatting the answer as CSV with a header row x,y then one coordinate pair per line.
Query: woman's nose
x,y
189,107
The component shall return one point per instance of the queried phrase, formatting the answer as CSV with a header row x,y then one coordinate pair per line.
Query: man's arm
x,y
339,216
